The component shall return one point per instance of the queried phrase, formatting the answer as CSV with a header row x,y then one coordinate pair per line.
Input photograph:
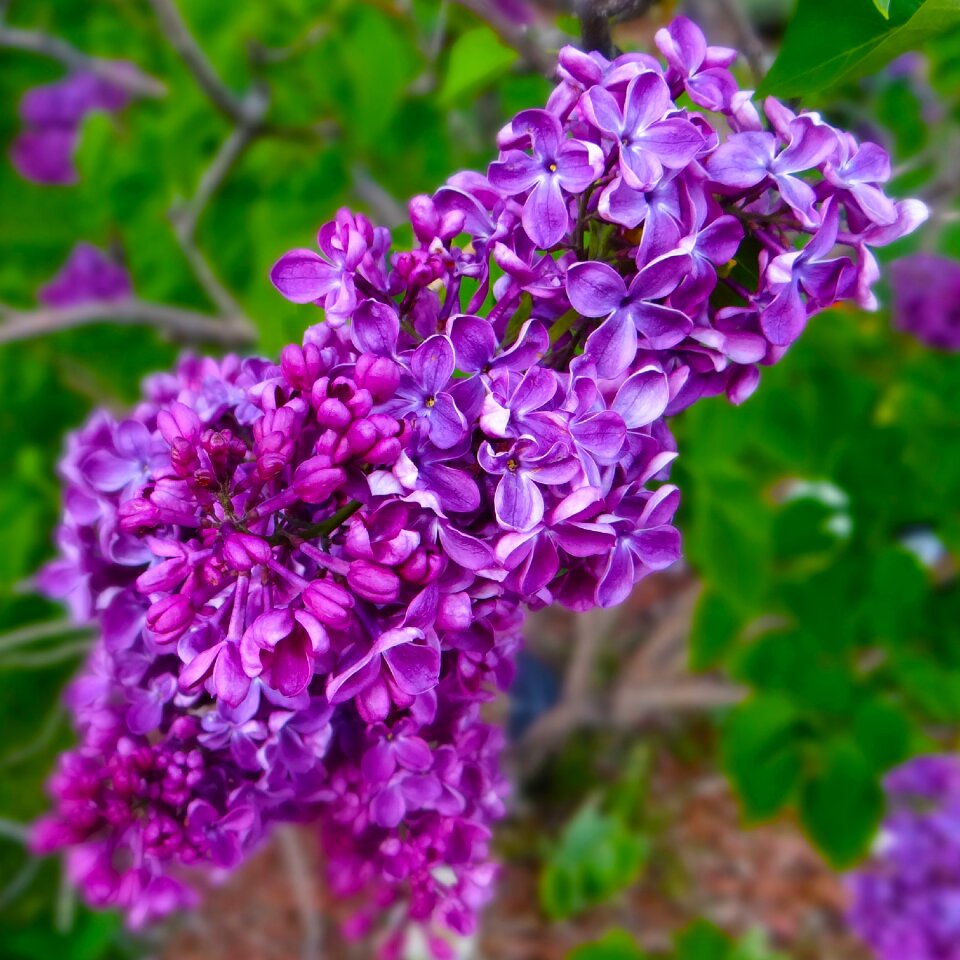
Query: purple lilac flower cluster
x,y
88,276
53,115
309,576
926,299
905,901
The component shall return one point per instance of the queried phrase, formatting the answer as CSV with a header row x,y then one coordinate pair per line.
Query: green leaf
x,y
476,59
597,857
715,629
859,41
762,753
615,945
841,805
883,733
702,941
883,6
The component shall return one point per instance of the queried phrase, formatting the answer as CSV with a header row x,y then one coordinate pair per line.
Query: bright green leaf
x,y
883,6
614,945
476,59
859,41
841,805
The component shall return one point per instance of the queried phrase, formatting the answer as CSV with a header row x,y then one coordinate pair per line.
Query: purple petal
x,y
376,328
595,289
447,424
783,321
641,169
675,141
303,276
474,341
613,345
518,501
647,100
661,327
618,577
602,110
602,434
742,161
415,667
578,165
543,128
388,807
545,217
516,172
642,397
433,364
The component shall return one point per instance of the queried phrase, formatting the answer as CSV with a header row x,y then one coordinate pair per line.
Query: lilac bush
x,y
905,901
309,575
53,115
926,299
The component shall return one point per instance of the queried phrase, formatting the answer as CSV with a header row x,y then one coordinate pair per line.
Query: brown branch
x,y
178,323
747,39
131,79
537,47
34,632
183,41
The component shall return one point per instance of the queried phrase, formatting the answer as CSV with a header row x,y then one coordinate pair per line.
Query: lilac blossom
x,y
53,115
926,299
309,575
557,167
88,276
905,898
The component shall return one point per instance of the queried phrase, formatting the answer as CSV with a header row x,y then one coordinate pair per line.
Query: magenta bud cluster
x,y
309,576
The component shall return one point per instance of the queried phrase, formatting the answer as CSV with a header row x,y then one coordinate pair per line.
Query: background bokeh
x,y
811,641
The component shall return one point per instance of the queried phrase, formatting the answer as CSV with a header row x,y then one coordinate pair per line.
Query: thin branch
x,y
38,631
694,695
183,41
177,322
596,16
46,658
47,732
538,48
387,211
126,77
188,215
13,831
747,39
304,890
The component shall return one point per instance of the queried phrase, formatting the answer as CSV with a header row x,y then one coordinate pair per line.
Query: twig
x,y
747,38
182,40
635,705
46,658
188,215
304,890
596,15
38,743
128,78
38,631
13,831
535,46
176,322
385,208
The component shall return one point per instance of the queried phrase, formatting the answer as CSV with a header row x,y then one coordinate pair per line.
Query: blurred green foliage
x,y
701,941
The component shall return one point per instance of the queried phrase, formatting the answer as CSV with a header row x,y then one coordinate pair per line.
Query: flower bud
x,y
243,551
169,617
315,480
373,582
329,603
379,375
